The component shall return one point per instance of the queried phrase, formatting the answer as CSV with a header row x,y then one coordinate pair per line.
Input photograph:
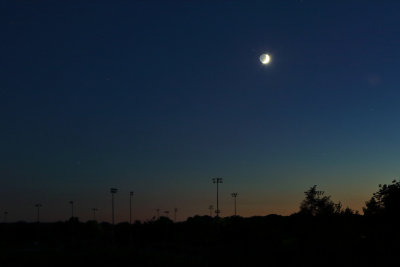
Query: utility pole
x,y
234,195
72,208
211,208
130,207
175,211
38,206
217,180
113,191
94,213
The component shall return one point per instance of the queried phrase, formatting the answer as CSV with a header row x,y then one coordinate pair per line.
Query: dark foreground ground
x,y
204,241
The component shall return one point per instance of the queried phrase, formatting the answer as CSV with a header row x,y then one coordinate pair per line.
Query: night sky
x,y
157,97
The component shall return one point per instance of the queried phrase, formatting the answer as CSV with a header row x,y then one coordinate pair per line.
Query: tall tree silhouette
x,y
386,201
316,204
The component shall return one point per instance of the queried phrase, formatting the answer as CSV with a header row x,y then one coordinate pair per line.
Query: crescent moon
x,y
265,59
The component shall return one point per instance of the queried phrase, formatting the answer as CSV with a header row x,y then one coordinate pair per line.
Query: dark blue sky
x,y
158,97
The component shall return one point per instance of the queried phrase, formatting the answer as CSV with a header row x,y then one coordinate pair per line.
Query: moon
x,y
265,59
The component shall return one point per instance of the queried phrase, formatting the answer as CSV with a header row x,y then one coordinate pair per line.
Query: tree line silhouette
x,y
321,233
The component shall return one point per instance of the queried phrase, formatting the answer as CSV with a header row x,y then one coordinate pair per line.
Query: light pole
x,y
130,207
158,213
217,180
72,208
113,191
38,206
211,208
234,195
5,216
175,211
94,213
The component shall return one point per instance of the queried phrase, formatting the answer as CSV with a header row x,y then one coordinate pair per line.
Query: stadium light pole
x,y
113,191
130,207
217,180
211,208
72,208
234,195
38,206
94,213
175,211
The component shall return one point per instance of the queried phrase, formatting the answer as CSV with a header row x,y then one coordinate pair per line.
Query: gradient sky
x,y
157,97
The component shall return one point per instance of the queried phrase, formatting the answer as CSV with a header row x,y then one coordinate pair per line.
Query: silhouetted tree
x,y
347,212
386,201
372,207
316,204
164,220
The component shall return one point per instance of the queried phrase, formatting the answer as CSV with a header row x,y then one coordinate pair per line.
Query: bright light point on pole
x,y
265,59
